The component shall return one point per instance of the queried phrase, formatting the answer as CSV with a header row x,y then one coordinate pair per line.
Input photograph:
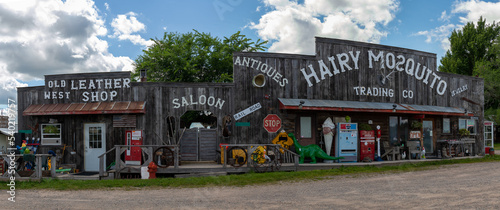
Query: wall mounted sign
x,y
91,90
272,123
201,100
262,67
343,62
247,111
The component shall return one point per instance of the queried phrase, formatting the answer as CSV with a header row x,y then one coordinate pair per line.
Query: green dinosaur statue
x,y
312,150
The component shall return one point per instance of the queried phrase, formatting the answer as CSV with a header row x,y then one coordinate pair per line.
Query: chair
x,y
390,150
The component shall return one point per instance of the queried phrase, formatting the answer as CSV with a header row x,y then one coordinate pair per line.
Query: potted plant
x,y
416,125
365,127
464,133
347,119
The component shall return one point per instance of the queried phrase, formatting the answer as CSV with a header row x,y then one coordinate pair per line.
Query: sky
x,y
46,37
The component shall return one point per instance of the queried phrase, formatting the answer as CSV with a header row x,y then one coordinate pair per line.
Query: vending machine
x,y
346,143
133,155
367,145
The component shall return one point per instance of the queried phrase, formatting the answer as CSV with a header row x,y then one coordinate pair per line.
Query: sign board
x,y
415,134
247,111
272,123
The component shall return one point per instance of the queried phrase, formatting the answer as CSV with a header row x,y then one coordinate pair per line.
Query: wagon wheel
x,y
260,160
163,157
236,156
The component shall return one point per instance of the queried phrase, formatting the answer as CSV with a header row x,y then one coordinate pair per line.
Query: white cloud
x,y
439,34
126,25
445,17
474,9
53,37
467,11
291,26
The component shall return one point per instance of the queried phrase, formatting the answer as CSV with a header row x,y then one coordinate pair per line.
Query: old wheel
x,y
163,157
236,156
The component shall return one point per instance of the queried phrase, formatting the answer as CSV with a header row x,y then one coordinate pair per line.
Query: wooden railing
x,y
146,149
37,170
287,157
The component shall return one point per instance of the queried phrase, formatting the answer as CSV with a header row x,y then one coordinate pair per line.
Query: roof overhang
x,y
376,107
124,107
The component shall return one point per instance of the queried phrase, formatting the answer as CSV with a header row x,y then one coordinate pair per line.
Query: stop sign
x,y
272,123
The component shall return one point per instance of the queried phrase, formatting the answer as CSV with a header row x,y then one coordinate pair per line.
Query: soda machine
x,y
346,143
367,145
133,155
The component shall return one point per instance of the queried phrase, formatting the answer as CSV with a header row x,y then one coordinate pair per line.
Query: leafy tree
x,y
469,45
193,57
490,71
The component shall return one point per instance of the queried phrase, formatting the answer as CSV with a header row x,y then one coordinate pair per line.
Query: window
x,y
393,130
468,124
398,130
95,137
305,127
51,134
446,125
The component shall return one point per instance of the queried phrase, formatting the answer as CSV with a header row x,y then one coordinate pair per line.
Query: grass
x,y
496,146
235,180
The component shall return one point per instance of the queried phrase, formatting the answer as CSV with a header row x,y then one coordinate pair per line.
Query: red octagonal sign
x,y
272,123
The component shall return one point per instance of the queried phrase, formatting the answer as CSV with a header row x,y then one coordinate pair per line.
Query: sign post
x,y
272,123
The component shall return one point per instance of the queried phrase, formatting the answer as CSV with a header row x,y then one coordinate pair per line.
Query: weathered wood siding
x,y
163,100
433,88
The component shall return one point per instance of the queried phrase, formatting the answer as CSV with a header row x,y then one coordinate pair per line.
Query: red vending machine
x,y
367,145
133,155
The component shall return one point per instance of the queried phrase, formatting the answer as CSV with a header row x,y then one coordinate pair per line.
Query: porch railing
x,y
287,157
37,174
148,150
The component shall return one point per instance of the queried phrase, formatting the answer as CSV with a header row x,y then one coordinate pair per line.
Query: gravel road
x,y
463,186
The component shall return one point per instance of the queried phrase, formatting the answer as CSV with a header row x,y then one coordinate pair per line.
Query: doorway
x,y
95,145
427,127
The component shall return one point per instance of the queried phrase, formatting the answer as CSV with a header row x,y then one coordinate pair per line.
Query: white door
x,y
95,145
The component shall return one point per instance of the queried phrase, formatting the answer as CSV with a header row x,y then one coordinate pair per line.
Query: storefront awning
x,y
357,106
125,107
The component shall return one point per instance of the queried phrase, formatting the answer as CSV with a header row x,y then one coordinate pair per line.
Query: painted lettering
x,y
201,100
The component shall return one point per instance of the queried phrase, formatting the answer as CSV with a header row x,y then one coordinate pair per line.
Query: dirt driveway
x,y
464,186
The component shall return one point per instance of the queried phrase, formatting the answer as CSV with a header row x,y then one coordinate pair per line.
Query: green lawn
x,y
497,147
235,180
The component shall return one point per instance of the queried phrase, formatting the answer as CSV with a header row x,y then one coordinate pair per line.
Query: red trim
x,y
86,108
340,109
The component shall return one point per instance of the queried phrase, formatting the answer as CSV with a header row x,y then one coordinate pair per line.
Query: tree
x,y
490,71
193,57
469,45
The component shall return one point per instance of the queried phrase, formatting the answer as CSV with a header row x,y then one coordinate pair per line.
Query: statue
x,y
312,151
328,133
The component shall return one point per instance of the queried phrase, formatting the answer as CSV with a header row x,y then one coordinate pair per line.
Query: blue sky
x,y
43,37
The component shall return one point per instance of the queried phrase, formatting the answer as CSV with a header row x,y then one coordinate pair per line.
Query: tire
x,y
163,157
237,156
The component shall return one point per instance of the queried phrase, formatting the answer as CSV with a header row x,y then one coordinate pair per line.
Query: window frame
x,y
52,139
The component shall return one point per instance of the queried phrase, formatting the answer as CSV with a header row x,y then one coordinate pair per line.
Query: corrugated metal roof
x,y
358,106
124,107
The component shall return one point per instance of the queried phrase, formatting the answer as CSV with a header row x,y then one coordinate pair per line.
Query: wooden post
x,y
101,164
118,152
53,165
176,157
38,159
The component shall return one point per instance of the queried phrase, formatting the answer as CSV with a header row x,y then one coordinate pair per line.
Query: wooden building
x,y
85,115
373,84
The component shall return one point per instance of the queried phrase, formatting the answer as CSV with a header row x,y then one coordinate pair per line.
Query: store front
x,y
377,85
81,116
